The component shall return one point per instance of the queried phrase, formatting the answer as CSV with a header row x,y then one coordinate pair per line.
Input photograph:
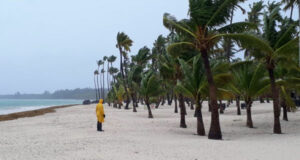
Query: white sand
x,y
70,133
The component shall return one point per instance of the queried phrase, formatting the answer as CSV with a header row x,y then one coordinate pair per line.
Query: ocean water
x,y
18,105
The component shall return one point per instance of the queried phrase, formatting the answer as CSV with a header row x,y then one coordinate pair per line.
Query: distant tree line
x,y
85,93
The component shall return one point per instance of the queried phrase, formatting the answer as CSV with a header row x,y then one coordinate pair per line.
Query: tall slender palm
x,y
274,47
99,63
96,86
105,58
123,44
228,43
206,19
103,87
254,16
250,82
103,75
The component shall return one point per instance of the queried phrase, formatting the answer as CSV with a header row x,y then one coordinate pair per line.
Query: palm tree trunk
x,y
107,76
192,105
215,129
198,114
176,108
291,14
163,101
249,116
99,94
149,108
221,107
170,98
182,111
276,109
299,33
238,106
95,88
268,100
103,84
284,107
157,103
133,102
261,99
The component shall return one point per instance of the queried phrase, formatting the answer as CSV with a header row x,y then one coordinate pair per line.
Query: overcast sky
x,y
54,44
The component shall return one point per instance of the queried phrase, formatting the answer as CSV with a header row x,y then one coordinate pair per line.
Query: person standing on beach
x,y
100,115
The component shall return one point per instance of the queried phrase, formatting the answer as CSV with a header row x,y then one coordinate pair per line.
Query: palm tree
x,y
105,58
150,89
103,88
159,48
287,83
103,75
99,63
273,47
250,81
119,91
194,84
123,44
168,73
113,71
137,66
290,4
111,59
96,86
254,16
206,17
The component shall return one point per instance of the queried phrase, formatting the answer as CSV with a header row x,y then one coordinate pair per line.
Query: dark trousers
x,y
99,126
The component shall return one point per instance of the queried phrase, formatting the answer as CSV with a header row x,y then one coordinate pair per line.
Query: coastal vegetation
x,y
196,62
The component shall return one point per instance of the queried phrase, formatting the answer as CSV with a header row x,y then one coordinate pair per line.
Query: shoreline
x,y
33,113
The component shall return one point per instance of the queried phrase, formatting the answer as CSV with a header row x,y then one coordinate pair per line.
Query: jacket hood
x,y
101,101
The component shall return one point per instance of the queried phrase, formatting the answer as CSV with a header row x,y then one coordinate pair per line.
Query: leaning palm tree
x,y
150,89
123,44
250,81
271,48
206,19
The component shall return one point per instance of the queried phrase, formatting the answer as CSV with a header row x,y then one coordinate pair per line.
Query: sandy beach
x,y
70,133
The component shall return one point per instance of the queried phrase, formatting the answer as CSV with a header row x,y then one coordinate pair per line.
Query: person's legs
x,y
98,126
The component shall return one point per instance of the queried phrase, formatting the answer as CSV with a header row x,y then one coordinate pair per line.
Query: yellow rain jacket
x,y
100,111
